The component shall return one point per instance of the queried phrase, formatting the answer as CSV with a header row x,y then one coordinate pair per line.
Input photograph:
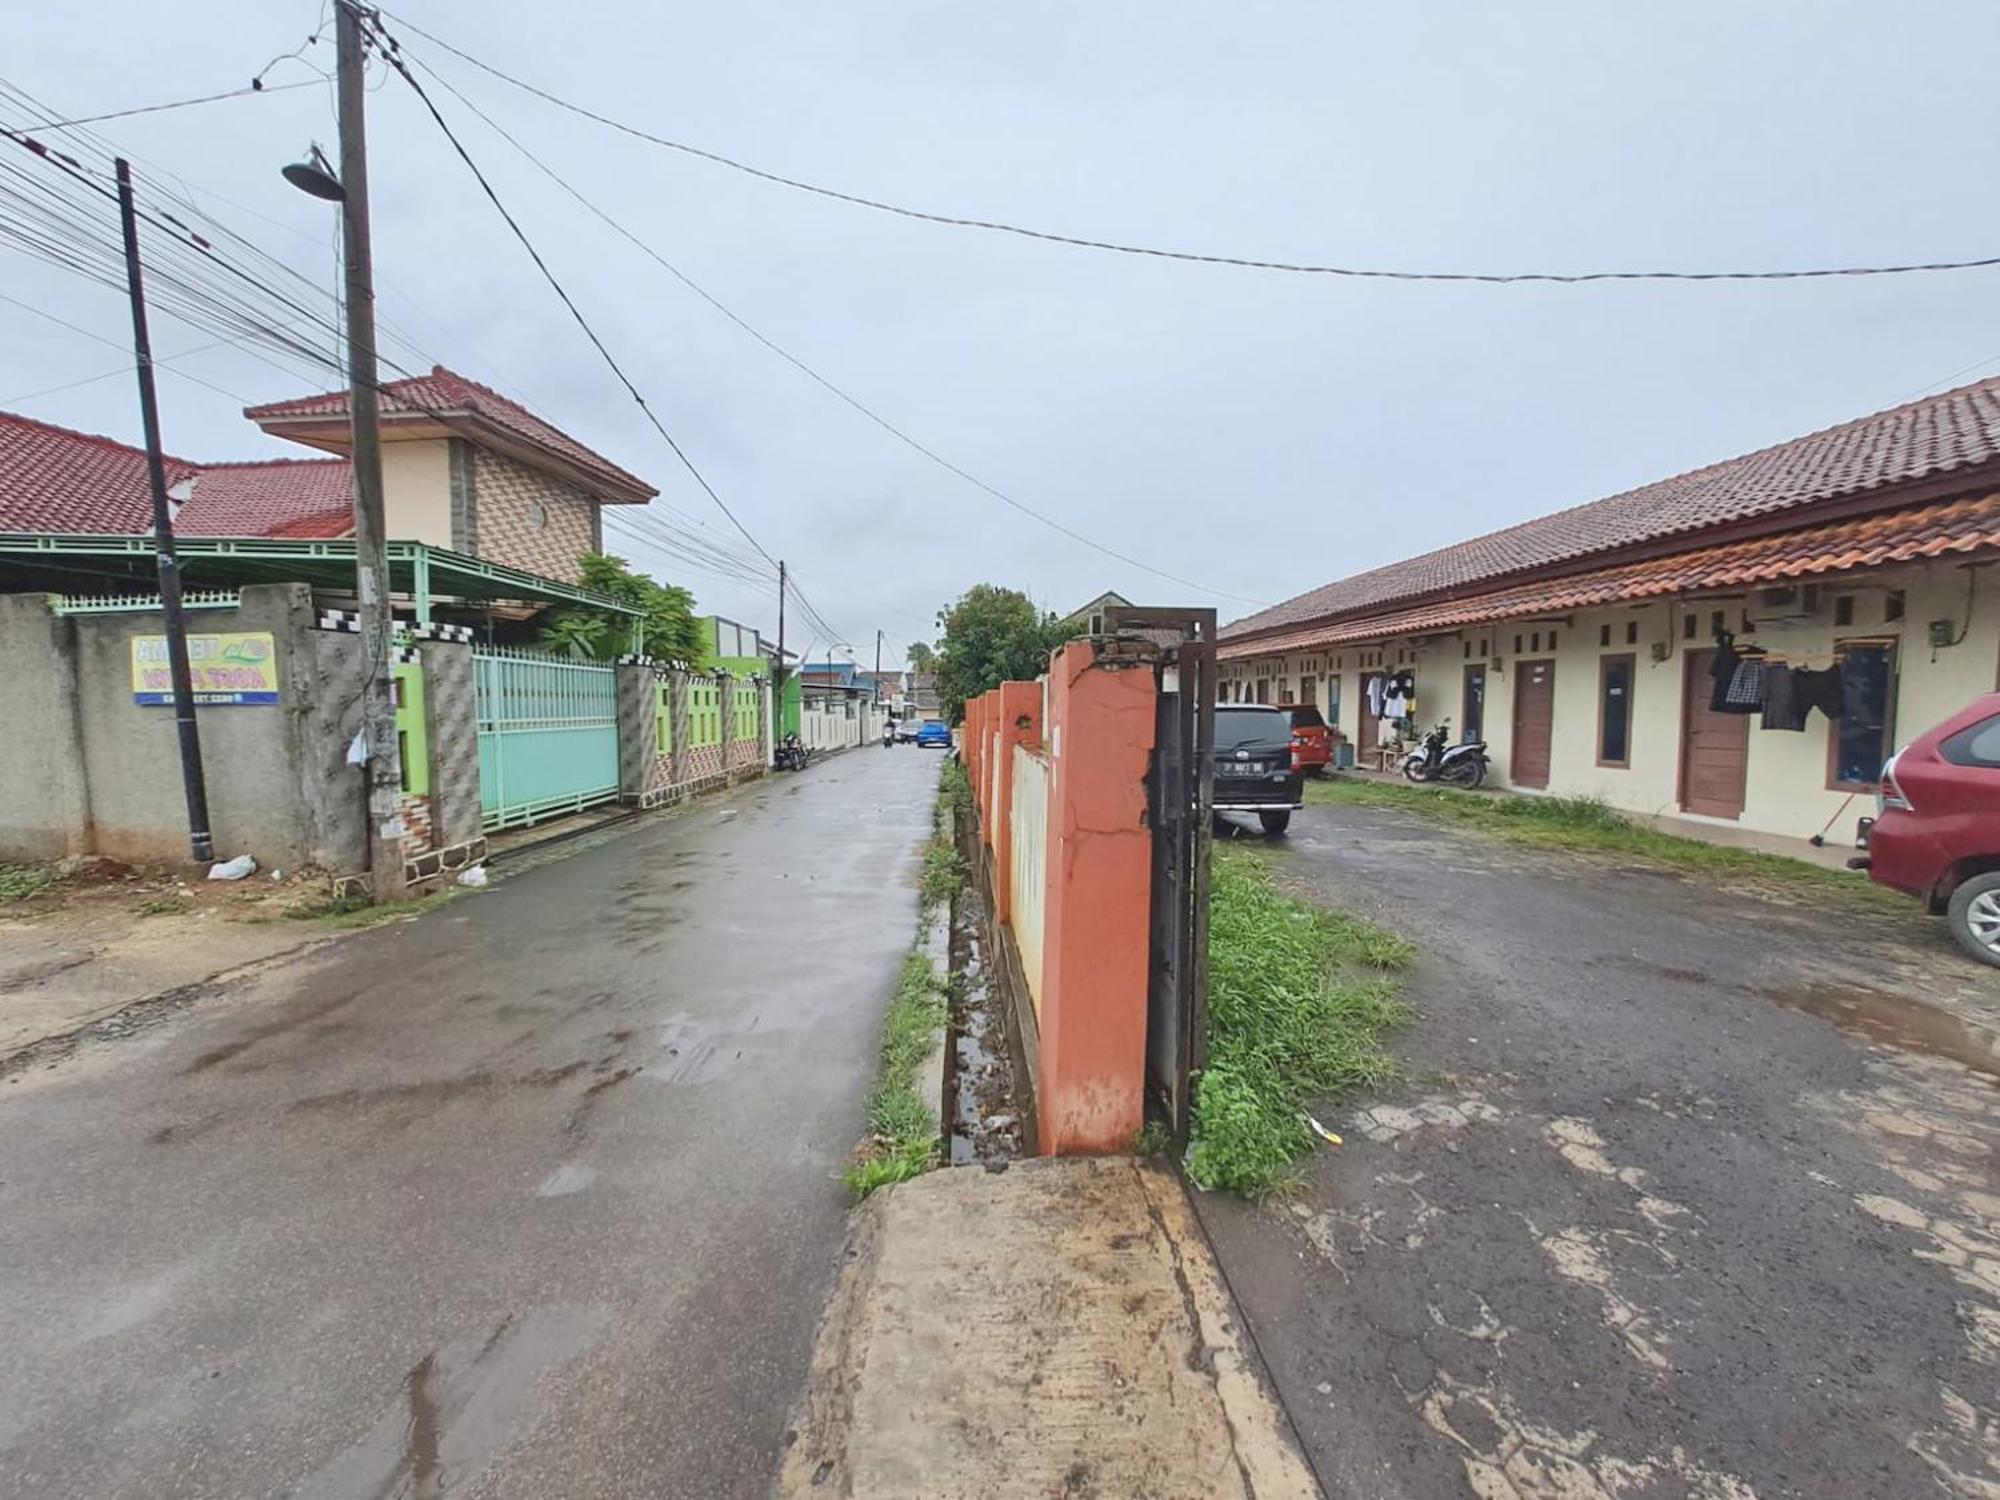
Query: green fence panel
x,y
548,735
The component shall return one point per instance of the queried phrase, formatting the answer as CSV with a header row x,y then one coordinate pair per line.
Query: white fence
x,y
1030,834
841,727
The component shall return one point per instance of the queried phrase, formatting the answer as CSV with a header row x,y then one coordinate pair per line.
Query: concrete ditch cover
x,y
1056,1329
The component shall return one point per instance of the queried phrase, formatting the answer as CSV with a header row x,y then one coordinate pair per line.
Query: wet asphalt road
x,y
533,1196
1641,1220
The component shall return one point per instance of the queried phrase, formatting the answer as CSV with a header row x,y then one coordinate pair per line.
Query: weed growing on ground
x,y
1298,1000
902,1131
1154,1140
19,882
162,906
944,872
954,790
1591,825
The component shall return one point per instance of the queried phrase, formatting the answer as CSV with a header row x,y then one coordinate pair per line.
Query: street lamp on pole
x,y
349,188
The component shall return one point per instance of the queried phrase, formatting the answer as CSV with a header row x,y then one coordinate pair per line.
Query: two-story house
x,y
464,468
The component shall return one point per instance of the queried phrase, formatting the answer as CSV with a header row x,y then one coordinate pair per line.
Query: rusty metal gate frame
x,y
1180,810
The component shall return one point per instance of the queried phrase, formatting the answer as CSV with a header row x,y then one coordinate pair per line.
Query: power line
x,y
1252,263
154,109
792,359
557,286
114,343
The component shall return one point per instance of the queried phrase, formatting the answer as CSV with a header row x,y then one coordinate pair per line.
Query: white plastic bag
x,y
475,877
233,869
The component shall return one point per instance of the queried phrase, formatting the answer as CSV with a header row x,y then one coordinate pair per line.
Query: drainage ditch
x,y
982,1109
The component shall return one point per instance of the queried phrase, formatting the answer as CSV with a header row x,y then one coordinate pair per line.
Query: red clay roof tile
x,y
1936,530
1955,429
446,391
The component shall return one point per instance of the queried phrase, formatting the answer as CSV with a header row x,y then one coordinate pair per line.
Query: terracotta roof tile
x,y
1953,430
1939,530
446,391
53,479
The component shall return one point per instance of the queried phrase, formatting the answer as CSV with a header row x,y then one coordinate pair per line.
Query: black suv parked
x,y
1253,764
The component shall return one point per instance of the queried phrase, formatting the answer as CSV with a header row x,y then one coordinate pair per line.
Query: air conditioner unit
x,y
1776,605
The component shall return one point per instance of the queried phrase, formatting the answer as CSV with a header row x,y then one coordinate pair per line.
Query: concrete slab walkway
x,y
1059,1329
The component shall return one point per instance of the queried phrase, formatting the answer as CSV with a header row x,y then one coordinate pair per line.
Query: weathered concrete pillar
x,y
677,717
725,694
638,733
452,713
1095,935
1020,724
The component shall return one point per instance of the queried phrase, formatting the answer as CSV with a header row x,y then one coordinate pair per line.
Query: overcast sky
x,y
1257,432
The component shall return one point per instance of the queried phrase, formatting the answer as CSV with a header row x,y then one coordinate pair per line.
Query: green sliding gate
x,y
548,735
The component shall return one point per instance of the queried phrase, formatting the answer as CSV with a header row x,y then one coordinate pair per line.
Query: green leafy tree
x,y
922,657
992,635
666,611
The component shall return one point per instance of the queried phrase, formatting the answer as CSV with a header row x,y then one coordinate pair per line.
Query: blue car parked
x,y
934,732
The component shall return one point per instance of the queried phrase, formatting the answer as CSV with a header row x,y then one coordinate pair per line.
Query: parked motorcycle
x,y
791,754
1439,760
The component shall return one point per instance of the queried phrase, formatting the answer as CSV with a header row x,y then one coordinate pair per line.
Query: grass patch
x,y
954,789
19,882
944,872
162,906
1590,825
1298,1000
902,1132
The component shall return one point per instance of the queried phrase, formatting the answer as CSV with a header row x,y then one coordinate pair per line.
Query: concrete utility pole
x,y
201,846
878,666
371,558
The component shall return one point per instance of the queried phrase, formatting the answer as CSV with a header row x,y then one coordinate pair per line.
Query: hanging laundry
x,y
1820,690
1783,707
1374,693
1722,671
1745,694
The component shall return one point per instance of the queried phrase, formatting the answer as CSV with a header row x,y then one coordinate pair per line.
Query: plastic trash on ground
x,y
233,869
474,877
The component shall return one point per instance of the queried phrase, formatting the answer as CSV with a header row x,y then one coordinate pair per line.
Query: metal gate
x,y
1179,809
548,735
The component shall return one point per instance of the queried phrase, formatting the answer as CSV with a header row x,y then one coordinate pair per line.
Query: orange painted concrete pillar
x,y
1095,949
1020,724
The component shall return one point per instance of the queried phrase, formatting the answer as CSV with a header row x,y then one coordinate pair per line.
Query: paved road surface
x,y
1642,1221
534,1196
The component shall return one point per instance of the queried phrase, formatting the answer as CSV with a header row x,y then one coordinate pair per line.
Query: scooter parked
x,y
1460,765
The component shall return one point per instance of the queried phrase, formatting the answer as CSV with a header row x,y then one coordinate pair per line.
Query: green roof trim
x,y
54,560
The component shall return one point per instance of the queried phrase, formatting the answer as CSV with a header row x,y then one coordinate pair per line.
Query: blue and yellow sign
x,y
239,667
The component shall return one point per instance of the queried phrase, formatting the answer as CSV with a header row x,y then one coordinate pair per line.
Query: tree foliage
x,y
667,612
922,657
992,635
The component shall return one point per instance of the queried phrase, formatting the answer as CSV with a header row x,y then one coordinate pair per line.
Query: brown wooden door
x,y
1715,748
1534,722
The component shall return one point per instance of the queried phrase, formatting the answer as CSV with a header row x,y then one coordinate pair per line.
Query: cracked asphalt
x,y
1685,1192
536,1194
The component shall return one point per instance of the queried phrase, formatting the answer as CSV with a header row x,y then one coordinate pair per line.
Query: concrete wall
x,y
1094,956
92,771
44,801
1786,788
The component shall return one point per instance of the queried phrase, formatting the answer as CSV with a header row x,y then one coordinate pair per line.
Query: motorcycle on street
x,y
1437,759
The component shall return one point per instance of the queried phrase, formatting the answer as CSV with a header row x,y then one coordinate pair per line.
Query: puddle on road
x,y
1895,1021
691,1055
985,1124
460,1407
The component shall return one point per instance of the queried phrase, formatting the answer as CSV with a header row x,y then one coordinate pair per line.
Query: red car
x,y
1312,741
1937,832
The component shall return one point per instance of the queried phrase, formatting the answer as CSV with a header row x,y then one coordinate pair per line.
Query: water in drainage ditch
x,y
985,1118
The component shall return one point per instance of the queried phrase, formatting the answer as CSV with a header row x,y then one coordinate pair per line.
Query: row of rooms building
x,y
1583,647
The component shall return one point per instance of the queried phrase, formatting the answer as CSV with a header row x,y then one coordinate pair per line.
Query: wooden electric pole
x,y
201,845
371,557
